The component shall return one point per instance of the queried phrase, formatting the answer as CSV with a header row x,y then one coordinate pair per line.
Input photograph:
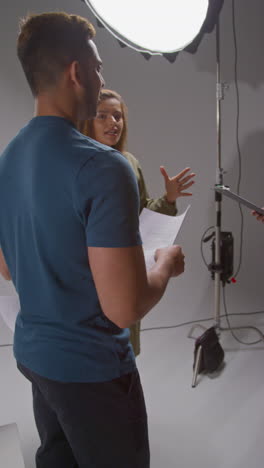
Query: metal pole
x,y
219,181
220,88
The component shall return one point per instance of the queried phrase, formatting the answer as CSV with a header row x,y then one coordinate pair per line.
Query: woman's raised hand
x,y
176,186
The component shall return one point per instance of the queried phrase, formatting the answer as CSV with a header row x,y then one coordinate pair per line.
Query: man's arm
x,y
4,268
126,292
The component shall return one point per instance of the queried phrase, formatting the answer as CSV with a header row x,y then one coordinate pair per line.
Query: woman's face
x,y
108,123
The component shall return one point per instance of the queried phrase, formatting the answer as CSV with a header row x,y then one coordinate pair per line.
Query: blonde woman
x,y
110,128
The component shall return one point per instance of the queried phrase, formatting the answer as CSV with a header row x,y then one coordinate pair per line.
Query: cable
x,y
6,345
237,92
237,135
201,320
176,326
240,328
201,244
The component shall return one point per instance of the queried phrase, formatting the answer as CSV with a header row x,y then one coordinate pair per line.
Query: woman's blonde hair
x,y
87,127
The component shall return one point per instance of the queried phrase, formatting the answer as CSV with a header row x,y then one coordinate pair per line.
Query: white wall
x,y
172,122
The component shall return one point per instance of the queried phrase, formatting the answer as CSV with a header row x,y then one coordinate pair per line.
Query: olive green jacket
x,y
161,205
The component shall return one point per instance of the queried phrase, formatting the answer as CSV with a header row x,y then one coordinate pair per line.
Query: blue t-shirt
x,y
59,193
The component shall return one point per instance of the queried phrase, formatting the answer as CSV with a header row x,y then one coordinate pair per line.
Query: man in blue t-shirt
x,y
69,236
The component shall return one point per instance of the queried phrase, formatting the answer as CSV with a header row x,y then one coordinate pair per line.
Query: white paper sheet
x,y
157,231
10,447
9,308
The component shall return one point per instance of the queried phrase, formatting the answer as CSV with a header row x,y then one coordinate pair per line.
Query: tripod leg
x,y
197,365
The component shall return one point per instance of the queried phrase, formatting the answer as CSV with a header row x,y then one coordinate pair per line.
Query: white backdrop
x,y
172,121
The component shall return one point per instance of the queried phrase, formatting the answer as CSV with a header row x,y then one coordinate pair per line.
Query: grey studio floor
x,y
218,424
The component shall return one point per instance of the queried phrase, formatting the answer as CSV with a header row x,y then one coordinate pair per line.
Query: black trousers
x,y
90,425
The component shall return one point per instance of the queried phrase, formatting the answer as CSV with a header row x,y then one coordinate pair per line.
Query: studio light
x,y
157,28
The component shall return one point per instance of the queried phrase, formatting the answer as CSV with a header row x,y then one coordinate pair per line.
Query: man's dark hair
x,y
48,43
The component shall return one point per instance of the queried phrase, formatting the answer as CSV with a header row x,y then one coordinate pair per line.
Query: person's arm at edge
x,y
258,216
4,268
126,292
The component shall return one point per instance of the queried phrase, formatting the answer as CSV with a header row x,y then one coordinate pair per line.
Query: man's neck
x,y
44,105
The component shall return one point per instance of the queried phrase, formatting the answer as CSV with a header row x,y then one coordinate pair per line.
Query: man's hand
x,y
259,216
125,290
176,186
174,258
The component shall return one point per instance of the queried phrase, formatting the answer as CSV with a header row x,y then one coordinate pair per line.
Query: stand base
x,y
213,359
208,352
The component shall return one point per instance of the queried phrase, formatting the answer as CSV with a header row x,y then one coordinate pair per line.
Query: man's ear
x,y
75,73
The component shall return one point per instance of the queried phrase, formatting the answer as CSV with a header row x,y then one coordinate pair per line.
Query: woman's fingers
x,y
185,179
164,173
182,173
186,186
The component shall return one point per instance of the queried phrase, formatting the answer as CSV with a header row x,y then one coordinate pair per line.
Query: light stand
x,y
222,264
220,88
216,266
